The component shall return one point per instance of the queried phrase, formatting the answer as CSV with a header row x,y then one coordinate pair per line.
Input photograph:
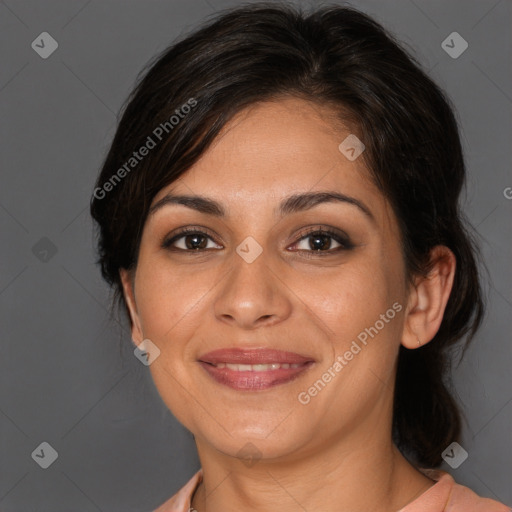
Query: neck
x,y
371,475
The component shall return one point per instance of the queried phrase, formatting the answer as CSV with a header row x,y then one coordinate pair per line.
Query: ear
x,y
127,280
428,298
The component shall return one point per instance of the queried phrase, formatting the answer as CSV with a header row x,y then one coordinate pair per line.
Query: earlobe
x,y
127,280
428,298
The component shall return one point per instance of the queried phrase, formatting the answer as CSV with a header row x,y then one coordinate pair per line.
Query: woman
x,y
279,217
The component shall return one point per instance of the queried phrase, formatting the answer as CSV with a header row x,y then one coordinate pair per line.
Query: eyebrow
x,y
291,204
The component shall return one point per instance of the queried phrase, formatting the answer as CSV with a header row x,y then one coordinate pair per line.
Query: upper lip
x,y
253,356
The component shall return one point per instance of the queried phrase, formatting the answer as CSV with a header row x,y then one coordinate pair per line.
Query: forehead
x,y
270,149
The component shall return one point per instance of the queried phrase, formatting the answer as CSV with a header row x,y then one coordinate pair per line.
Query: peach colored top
x,y
444,496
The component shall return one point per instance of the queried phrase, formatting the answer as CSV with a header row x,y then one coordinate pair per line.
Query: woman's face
x,y
271,332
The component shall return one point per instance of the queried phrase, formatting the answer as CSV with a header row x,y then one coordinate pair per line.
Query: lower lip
x,y
253,381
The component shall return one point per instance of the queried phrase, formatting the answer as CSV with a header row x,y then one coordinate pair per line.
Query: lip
x,y
292,365
253,356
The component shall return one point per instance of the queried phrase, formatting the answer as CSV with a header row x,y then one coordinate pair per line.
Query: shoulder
x,y
464,499
446,495
180,502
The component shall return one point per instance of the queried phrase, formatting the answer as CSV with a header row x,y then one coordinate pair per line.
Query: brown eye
x,y
318,242
321,241
189,240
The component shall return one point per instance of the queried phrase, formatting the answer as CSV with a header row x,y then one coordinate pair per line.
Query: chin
x,y
253,441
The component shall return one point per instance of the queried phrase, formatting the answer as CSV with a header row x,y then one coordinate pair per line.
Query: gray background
x,y
67,373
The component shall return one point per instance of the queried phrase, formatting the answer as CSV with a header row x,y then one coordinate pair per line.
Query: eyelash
x,y
340,237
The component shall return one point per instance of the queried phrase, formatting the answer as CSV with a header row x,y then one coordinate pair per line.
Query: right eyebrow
x,y
198,203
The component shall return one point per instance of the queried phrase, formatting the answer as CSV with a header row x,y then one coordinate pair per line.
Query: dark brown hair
x,y
335,56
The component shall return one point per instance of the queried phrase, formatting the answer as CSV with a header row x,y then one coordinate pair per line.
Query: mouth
x,y
254,369
257,367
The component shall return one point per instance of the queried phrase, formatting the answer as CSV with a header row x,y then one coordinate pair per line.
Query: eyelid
x,y
325,230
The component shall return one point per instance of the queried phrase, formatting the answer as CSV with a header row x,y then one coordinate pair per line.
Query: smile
x,y
257,367
254,369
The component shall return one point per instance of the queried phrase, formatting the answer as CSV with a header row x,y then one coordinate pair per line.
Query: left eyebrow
x,y
308,200
291,204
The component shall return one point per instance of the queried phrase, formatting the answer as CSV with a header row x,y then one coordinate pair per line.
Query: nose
x,y
252,295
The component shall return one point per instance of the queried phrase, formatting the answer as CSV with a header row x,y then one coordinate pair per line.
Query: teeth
x,y
257,367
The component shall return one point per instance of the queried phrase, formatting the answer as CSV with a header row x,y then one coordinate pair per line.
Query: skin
x,y
336,452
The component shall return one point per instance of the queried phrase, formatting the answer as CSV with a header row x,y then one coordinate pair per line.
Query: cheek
x,y
169,302
361,305
169,299
350,299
